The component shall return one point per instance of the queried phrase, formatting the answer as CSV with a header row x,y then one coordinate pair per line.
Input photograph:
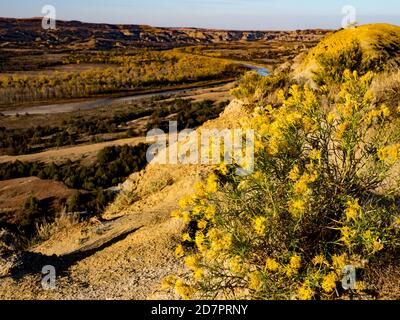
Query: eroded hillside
x,y
75,34
126,255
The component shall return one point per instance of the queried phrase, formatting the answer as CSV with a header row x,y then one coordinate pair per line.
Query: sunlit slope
x,y
380,43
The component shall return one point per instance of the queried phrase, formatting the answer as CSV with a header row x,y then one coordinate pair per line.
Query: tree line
x,y
121,72
113,165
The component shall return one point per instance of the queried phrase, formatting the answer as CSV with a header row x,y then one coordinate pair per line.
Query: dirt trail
x,y
127,255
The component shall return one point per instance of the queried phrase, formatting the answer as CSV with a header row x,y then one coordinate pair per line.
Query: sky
x,y
219,14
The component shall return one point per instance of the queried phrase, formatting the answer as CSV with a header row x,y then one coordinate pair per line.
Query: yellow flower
x,y
223,169
353,210
294,265
179,252
272,265
341,129
210,212
329,282
255,281
347,235
259,225
292,118
186,237
273,147
360,286
297,208
309,125
319,260
199,240
185,202
198,274
226,241
385,111
212,185
294,174
258,176
377,246
368,96
367,235
184,290
371,116
186,217
197,210
192,262
339,262
315,155
372,242
176,214
330,118
168,282
295,262
202,224
301,186
305,292
281,95
213,234
389,154
324,89
236,264
200,189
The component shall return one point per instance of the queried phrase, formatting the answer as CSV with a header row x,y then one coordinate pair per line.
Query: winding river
x,y
93,104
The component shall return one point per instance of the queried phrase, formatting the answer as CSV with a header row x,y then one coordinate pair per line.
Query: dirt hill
x,y
380,44
15,193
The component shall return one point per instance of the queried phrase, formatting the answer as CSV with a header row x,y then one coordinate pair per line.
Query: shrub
x,y
254,88
63,221
319,200
332,66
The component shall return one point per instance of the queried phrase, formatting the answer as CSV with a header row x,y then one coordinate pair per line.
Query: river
x,y
96,103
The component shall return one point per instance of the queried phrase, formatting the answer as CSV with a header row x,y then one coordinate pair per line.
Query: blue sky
x,y
222,14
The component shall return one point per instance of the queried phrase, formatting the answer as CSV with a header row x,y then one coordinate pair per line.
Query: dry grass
x,y
386,89
63,222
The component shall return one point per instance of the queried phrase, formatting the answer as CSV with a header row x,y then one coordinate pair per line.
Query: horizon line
x,y
187,27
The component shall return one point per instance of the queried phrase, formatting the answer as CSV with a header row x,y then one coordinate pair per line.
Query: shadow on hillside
x,y
31,263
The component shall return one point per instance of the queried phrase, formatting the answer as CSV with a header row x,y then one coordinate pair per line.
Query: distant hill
x,y
28,33
379,44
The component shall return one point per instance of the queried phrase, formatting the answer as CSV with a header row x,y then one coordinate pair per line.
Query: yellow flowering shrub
x,y
313,205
